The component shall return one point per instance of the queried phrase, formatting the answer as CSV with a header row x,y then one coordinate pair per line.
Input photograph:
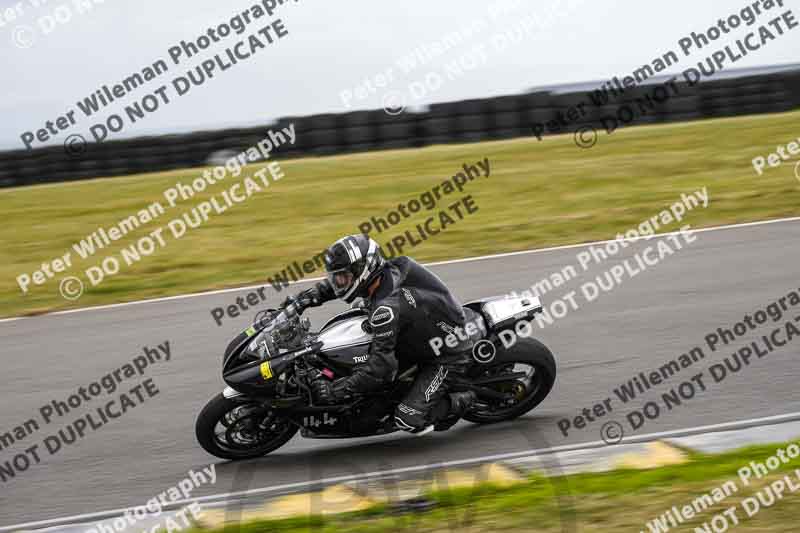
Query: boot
x,y
459,403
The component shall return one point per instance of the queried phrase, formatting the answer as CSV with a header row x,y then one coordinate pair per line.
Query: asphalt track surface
x,y
639,326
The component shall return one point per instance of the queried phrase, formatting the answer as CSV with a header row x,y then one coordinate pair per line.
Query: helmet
x,y
352,264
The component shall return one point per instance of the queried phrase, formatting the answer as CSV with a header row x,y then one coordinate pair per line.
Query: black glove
x,y
327,392
322,390
304,299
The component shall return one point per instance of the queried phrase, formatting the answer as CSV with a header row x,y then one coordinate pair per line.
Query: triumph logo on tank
x,y
314,422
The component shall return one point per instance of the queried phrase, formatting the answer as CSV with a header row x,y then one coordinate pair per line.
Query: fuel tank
x,y
346,341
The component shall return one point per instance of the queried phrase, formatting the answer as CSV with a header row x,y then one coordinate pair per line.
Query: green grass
x,y
539,193
620,500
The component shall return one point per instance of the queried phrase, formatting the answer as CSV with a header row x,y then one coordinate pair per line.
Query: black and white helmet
x,y
352,264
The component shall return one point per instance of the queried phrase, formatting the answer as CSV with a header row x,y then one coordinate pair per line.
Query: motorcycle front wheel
x,y
238,429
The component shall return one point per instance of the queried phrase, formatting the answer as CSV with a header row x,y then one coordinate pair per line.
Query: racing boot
x,y
459,403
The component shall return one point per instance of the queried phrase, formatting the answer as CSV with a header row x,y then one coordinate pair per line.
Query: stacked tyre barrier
x,y
503,117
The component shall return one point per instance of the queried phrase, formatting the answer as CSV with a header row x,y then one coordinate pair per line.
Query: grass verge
x,y
620,500
538,194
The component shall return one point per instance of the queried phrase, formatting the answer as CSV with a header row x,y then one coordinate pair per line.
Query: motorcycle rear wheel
x,y
235,429
527,393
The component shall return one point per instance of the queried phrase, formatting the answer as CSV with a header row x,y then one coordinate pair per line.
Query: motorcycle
x,y
269,366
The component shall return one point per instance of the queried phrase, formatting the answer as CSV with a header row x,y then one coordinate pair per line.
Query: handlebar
x,y
290,311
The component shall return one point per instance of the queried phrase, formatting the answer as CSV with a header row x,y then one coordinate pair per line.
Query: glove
x,y
304,299
327,392
322,390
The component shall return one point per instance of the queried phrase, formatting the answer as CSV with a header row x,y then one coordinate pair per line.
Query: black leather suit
x,y
409,308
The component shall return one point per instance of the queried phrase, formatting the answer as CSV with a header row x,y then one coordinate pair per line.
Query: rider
x,y
408,305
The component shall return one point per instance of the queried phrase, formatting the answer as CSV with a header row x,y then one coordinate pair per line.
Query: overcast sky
x,y
333,46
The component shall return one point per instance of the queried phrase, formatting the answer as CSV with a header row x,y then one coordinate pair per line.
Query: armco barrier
x,y
500,117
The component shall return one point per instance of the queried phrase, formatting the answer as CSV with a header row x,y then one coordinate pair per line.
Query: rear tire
x,y
215,416
529,352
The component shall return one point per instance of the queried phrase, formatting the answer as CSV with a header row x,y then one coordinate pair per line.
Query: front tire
x,y
238,429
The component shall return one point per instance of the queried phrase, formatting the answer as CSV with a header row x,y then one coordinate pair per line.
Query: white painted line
x,y
625,239
713,428
436,263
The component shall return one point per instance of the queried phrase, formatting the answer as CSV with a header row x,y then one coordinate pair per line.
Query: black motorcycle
x,y
269,366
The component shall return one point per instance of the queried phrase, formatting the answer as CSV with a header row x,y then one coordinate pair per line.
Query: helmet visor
x,y
341,280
